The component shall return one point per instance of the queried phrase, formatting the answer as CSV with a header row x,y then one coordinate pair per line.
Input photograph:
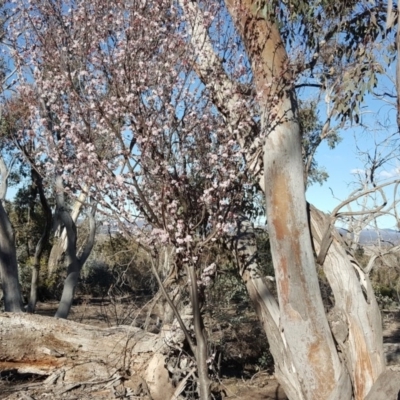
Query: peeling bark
x,y
283,184
356,320
244,248
315,362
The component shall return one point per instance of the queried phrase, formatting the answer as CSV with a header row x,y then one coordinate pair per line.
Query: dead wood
x,y
76,355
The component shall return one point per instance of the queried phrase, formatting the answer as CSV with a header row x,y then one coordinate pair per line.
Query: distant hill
x,y
370,237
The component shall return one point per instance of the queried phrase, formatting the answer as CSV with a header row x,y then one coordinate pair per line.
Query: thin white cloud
x,y
393,173
357,171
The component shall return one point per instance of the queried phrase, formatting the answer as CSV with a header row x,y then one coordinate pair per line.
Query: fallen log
x,y
78,354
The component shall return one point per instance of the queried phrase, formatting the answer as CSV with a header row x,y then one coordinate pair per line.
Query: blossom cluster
x,y
119,108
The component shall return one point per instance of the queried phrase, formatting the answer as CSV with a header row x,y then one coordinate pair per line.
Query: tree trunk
x,y
8,252
201,351
300,366
304,328
84,355
9,265
56,252
41,244
355,319
244,247
60,240
75,263
200,348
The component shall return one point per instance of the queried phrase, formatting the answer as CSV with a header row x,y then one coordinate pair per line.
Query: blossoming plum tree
x,y
164,109
121,107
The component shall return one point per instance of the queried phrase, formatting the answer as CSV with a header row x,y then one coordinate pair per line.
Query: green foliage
x,y
338,47
28,221
228,288
385,296
384,291
266,361
360,256
385,278
97,280
118,262
264,253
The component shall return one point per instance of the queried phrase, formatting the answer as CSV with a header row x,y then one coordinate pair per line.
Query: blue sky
x,y
339,163
342,162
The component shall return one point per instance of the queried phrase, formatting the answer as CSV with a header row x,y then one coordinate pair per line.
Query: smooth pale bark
x,y
225,96
355,320
244,248
75,263
60,239
303,323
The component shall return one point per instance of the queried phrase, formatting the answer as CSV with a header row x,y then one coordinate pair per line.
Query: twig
x,y
72,386
182,385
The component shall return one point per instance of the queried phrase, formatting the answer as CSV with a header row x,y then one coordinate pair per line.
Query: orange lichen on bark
x,y
44,364
324,383
364,373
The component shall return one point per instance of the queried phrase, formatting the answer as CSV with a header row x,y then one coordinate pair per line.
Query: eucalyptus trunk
x,y
40,246
60,238
315,359
75,263
8,251
9,265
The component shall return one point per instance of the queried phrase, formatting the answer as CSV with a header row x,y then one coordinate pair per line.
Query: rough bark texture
x,y
355,320
8,254
77,353
9,265
41,243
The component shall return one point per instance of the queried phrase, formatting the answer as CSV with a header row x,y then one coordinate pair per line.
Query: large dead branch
x,y
74,354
